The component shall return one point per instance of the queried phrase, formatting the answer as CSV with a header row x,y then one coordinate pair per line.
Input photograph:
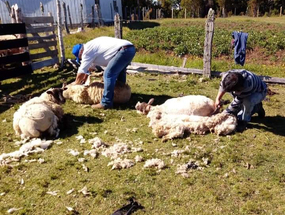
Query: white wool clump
x,y
93,93
117,149
73,152
154,162
34,146
138,158
97,143
119,163
176,153
93,153
39,115
185,168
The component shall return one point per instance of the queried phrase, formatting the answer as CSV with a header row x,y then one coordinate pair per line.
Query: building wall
x,y
32,8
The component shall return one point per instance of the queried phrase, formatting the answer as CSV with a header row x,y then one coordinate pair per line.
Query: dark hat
x,y
76,50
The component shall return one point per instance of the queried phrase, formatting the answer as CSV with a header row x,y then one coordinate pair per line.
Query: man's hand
x,y
81,78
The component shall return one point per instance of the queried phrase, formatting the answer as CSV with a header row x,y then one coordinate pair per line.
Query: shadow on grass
x,y
35,83
70,124
274,124
158,100
140,25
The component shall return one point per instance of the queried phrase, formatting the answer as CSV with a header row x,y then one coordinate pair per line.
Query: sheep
x,y
40,115
92,94
189,105
189,114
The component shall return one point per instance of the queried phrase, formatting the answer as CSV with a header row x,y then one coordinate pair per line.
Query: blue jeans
x,y
116,70
249,106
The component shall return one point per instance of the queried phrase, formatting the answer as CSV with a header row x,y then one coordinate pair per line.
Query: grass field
x,y
244,173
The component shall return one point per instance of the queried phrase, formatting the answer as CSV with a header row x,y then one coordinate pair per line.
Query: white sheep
x,y
40,115
92,94
188,114
189,105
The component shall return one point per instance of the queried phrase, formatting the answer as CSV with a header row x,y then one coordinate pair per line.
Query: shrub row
x,y
190,40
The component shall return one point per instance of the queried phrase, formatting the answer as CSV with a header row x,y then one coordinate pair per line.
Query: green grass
x,y
245,174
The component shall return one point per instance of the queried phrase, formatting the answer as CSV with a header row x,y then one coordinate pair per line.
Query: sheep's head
x,y
54,95
144,108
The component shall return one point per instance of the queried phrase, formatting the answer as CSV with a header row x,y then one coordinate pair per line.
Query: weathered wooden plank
x,y
151,68
44,54
15,43
38,37
31,30
21,57
15,72
41,64
13,28
42,45
142,67
38,20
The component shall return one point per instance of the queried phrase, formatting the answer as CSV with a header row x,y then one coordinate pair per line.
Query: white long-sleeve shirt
x,y
100,51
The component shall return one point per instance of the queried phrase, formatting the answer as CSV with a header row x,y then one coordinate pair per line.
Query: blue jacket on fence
x,y
240,40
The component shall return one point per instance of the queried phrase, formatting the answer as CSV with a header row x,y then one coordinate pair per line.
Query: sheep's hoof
x,y
98,106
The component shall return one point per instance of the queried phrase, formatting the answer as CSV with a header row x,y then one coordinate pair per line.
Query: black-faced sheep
x,y
92,94
188,114
40,115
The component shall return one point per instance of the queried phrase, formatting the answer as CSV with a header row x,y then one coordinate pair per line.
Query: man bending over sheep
x,y
248,91
115,54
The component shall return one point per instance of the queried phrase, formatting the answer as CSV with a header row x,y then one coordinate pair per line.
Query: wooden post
x,y
70,22
172,13
65,18
209,33
13,14
185,13
93,17
81,16
97,14
111,8
42,8
59,30
118,26
184,62
281,11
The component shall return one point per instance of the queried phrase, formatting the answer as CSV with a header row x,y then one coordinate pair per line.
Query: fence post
x,y
281,11
185,13
42,8
97,14
65,18
81,16
68,11
209,33
93,17
60,39
118,26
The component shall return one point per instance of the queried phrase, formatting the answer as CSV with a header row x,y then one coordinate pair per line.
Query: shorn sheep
x,y
92,94
40,115
188,114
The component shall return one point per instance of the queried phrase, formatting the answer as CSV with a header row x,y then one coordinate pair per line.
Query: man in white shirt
x,y
112,53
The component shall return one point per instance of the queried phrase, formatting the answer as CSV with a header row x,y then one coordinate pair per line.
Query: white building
x,y
32,8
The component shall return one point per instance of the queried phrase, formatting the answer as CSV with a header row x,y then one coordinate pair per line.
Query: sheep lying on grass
x,y
92,94
40,115
189,105
189,114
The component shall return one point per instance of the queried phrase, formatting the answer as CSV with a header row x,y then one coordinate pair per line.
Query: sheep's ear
x,y
63,85
49,92
150,101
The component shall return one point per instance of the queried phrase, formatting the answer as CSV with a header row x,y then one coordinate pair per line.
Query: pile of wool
x,y
35,145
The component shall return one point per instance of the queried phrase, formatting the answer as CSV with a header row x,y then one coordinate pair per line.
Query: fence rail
x,y
14,55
